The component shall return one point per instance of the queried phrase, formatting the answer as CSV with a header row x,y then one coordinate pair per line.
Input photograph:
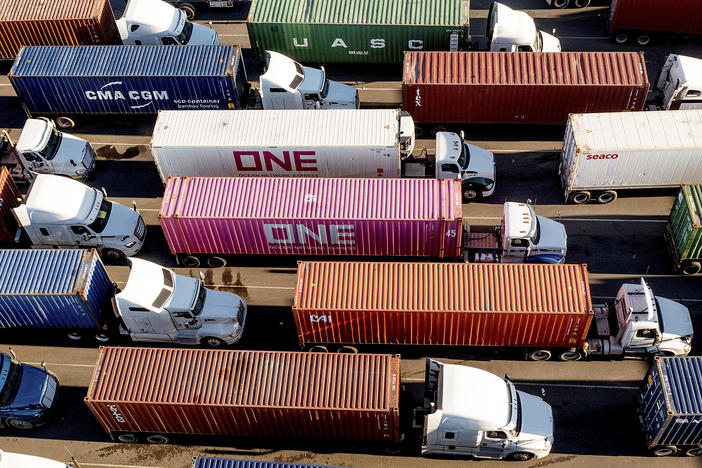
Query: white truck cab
x,y
527,237
471,412
41,148
647,325
510,30
679,84
160,305
62,213
474,166
288,85
154,22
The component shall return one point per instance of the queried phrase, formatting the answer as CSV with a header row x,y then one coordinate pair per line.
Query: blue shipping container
x,y
53,289
212,462
670,403
74,80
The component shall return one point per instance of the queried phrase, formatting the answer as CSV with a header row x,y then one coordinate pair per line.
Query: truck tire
x,y
569,355
190,261
471,192
620,37
189,10
643,40
348,349
665,451
156,439
438,129
20,424
64,122
693,452
539,355
101,337
608,196
212,342
559,3
216,262
581,3
74,335
127,438
580,198
113,255
520,456
318,349
691,268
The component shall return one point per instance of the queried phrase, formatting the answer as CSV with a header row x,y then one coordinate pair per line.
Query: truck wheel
x,y
20,424
559,3
216,262
157,439
212,342
691,268
621,38
643,39
581,3
74,335
102,337
665,451
438,129
608,196
190,261
539,355
347,349
520,456
127,438
693,452
113,255
318,349
580,198
189,10
569,355
64,122
470,192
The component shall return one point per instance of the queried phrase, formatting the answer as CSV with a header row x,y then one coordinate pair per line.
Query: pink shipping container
x,y
204,217
54,22
515,87
9,193
151,392
637,18
442,304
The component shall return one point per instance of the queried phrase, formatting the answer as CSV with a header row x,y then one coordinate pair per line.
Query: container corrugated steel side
x,y
670,402
214,462
514,87
54,22
128,79
653,149
442,304
309,216
9,199
370,31
684,228
333,143
661,16
53,289
246,393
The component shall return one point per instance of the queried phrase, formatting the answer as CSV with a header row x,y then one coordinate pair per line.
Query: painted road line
x,y
109,465
286,288
646,276
602,220
51,364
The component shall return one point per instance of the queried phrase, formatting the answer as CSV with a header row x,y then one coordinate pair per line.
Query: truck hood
x,y
537,422
122,222
312,82
202,35
341,96
550,43
675,317
74,149
481,164
552,236
220,306
31,387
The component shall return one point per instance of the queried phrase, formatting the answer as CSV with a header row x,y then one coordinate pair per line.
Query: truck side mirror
x,y
104,192
507,377
86,237
12,353
201,275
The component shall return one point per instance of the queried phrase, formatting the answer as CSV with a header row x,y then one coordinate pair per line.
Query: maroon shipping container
x,y
149,392
442,304
629,18
54,22
9,194
515,87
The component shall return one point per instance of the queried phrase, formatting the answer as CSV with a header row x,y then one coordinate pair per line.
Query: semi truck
x,y
670,406
326,31
641,21
604,154
678,85
70,290
60,213
293,143
545,310
468,412
684,230
319,216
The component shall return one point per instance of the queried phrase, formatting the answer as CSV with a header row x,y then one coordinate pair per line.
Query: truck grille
x,y
140,229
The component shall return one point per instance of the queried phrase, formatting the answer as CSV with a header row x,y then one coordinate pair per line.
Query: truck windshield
x,y
537,233
9,390
184,36
52,146
538,42
200,300
325,89
299,77
518,428
464,158
102,217
661,325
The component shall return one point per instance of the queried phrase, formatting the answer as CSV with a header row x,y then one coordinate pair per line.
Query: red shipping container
x,y
54,22
677,17
515,87
442,304
146,391
312,216
9,195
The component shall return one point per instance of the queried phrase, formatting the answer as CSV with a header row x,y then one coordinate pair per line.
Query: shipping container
x,y
75,80
53,289
10,197
216,216
605,153
640,19
683,233
54,22
670,406
214,462
462,304
152,392
355,31
333,143
515,87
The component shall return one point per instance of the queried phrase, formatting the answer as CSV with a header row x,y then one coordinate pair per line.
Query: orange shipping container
x,y
9,194
143,392
54,22
442,304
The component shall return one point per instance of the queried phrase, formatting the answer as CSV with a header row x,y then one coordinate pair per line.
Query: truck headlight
x,y
38,414
129,245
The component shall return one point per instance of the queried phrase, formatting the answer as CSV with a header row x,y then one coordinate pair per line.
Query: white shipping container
x,y
328,143
606,152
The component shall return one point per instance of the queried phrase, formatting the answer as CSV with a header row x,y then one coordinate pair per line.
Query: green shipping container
x,y
356,31
683,233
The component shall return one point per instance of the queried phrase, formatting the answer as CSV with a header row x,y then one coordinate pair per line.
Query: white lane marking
x,y
109,465
516,382
232,35
117,144
603,220
235,286
49,364
148,209
678,299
